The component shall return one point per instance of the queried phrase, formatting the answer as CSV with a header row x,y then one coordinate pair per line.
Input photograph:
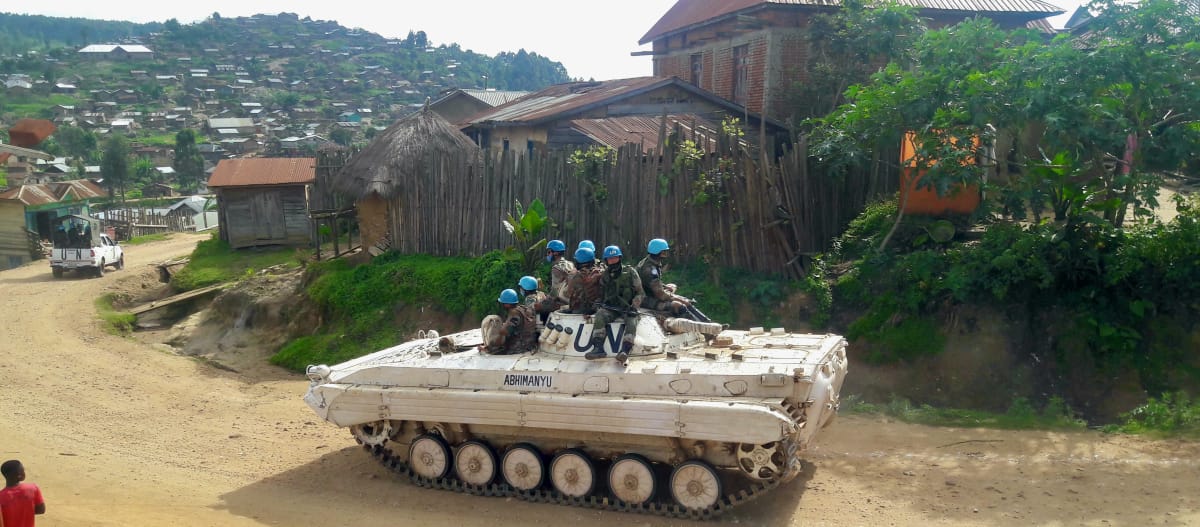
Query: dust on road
x,y
117,432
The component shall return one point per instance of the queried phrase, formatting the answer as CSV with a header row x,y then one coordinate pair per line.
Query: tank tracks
x,y
549,495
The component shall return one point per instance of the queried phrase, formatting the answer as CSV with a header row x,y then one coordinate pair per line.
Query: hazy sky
x,y
592,39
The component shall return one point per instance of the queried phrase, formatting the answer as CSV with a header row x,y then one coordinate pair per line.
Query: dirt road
x,y
117,432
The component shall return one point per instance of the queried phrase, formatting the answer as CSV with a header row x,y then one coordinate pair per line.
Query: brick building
x,y
752,51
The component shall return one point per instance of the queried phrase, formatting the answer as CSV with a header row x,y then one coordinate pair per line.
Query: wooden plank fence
x,y
766,215
132,222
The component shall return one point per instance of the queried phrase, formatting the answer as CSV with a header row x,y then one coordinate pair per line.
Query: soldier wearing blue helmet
x,y
541,303
583,288
516,333
560,268
659,296
620,297
587,244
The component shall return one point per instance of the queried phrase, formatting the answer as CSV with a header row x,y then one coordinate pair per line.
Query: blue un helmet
x,y
528,283
508,296
587,244
657,246
556,246
612,251
585,255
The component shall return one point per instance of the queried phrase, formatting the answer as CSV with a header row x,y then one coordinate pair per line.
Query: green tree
x,y
188,163
77,142
342,136
1106,102
846,46
144,172
115,165
285,99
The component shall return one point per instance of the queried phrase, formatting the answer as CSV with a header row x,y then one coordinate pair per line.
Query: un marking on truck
x,y
529,381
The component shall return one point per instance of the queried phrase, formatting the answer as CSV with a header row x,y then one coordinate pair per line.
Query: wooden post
x,y
336,250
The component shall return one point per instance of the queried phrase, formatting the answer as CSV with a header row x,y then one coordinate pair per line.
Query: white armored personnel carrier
x,y
699,419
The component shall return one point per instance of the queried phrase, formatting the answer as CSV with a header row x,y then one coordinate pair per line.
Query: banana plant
x,y
527,227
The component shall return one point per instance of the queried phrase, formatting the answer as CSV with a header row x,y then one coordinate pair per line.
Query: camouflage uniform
x,y
583,290
517,334
657,298
542,304
624,291
560,274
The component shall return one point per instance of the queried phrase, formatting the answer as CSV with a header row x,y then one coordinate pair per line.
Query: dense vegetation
x,y
20,34
1125,297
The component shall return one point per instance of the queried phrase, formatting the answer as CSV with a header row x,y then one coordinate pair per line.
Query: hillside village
x,y
299,83
259,86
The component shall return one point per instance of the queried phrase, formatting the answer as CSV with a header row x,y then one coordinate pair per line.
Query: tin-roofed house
x,y
576,114
460,103
263,201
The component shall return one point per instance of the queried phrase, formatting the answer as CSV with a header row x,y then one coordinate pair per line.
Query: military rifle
x,y
627,311
695,313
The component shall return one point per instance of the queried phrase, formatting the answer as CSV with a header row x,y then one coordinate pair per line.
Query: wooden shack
x,y
14,243
385,178
263,201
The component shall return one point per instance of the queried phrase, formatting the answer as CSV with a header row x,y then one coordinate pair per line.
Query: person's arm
x,y
39,506
638,295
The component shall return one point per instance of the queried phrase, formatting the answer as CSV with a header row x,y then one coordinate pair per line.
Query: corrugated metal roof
x,y
108,48
495,97
230,122
689,13
615,132
74,190
23,152
264,171
564,99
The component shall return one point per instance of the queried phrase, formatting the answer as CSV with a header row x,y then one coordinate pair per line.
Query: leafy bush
x,y
1112,284
719,292
1173,414
865,231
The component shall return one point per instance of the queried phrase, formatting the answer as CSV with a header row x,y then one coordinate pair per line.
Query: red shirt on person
x,y
17,504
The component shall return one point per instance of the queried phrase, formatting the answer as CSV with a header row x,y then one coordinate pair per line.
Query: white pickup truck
x,y
79,245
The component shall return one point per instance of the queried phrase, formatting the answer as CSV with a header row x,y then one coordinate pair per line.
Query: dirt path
x,y
118,433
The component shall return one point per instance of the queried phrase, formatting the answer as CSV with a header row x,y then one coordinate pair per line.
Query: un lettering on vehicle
x,y
583,339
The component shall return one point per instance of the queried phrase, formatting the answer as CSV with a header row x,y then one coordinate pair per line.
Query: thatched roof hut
x,y
402,155
392,178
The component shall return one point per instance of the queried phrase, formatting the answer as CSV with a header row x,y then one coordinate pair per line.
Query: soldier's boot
x,y
597,351
623,355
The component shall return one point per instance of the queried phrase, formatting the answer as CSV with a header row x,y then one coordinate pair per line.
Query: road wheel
x,y
523,467
572,473
695,485
100,269
121,263
475,463
429,456
631,479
